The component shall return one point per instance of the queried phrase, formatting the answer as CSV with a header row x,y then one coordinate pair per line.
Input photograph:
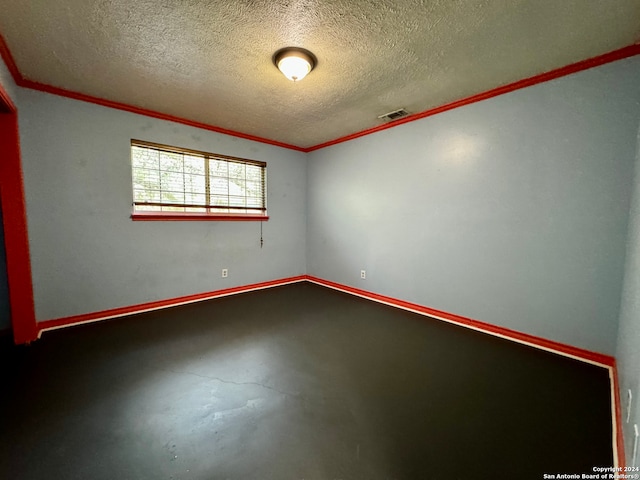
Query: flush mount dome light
x,y
294,63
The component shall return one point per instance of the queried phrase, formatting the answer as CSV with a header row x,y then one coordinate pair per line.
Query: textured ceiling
x,y
210,61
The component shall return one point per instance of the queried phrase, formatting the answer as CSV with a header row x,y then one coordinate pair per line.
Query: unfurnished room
x,y
319,239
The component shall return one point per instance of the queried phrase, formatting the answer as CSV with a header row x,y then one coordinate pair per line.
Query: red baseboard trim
x,y
598,359
609,57
618,439
525,338
538,342
161,304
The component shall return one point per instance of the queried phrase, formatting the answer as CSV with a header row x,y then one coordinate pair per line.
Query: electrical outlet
x,y
363,274
225,273
629,397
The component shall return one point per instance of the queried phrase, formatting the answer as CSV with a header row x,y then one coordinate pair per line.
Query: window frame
x,y
151,215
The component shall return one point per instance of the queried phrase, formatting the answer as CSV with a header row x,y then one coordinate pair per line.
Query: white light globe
x,y
294,68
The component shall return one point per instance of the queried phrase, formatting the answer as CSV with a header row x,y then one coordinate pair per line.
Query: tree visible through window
x,y
177,180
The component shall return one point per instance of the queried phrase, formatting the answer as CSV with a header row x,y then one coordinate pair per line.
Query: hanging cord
x,y
261,240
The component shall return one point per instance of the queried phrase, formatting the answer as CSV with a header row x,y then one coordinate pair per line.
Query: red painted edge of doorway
x,y
14,213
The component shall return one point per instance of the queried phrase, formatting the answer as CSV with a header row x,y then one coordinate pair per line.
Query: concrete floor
x,y
295,382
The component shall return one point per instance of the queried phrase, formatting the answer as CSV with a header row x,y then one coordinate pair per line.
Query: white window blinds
x,y
171,179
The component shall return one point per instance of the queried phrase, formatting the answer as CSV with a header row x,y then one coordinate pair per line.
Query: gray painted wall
x,y
512,211
628,351
87,254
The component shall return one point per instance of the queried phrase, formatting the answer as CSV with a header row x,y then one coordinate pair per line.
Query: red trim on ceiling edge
x,y
622,53
21,81
549,345
5,53
14,217
609,57
149,113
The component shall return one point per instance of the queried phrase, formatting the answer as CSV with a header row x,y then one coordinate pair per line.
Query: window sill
x,y
215,217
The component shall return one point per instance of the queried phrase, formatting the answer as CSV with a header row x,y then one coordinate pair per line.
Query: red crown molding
x,y
5,53
160,304
149,113
609,57
21,81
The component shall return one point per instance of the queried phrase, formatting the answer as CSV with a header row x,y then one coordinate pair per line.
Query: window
x,y
180,184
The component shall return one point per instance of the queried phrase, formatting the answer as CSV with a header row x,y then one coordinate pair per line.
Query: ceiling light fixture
x,y
294,62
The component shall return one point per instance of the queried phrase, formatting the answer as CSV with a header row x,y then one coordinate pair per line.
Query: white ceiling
x,y
211,61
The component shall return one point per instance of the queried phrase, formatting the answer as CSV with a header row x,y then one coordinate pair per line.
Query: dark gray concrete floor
x,y
295,382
